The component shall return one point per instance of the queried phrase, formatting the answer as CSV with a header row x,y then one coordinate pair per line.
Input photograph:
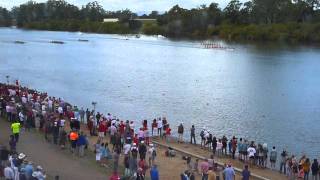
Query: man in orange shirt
x,y
73,138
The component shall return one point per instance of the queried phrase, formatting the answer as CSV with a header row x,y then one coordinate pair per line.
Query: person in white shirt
x,y
126,148
141,135
113,130
24,99
50,104
251,153
60,110
132,125
39,174
160,127
219,147
21,117
152,154
62,123
109,116
9,172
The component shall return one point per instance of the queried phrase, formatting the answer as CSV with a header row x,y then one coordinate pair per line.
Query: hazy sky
x,y
134,5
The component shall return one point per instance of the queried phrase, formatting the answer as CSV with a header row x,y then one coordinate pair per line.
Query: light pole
x,y
7,76
94,104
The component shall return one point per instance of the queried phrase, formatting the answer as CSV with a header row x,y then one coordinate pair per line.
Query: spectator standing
x,y
246,173
273,157
180,133
193,134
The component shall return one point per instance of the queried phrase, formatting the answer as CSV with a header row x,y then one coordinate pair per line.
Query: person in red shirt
x,y
145,124
135,139
90,127
234,146
121,128
143,166
102,130
168,133
114,176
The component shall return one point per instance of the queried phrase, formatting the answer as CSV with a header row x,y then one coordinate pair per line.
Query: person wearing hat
x,y
134,151
55,132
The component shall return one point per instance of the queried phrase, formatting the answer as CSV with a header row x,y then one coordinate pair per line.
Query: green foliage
x,y
83,26
58,10
150,28
5,17
290,32
254,20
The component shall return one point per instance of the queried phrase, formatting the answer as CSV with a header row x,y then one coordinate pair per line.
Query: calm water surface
x,y
264,93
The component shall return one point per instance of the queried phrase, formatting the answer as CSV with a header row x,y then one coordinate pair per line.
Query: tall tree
x,y
214,14
5,17
232,11
93,11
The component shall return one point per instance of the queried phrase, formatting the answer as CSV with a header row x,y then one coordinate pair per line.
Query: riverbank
x,y
54,160
162,160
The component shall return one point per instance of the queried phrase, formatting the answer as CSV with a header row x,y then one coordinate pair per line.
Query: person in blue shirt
x,y
81,143
28,170
246,173
154,173
228,173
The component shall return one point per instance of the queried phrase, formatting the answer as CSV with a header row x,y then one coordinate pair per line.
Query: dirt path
x,y
195,149
52,159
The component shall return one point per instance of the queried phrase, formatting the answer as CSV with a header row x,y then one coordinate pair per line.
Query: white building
x,y
110,20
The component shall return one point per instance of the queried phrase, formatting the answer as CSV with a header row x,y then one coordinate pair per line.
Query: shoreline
x,y
289,42
226,158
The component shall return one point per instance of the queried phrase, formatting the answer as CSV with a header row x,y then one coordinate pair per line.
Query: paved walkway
x,y
52,159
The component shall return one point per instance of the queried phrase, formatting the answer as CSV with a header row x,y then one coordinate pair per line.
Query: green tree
x,y
154,14
214,14
5,17
93,11
232,11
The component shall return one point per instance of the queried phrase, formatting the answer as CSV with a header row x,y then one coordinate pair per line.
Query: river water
x,y
268,93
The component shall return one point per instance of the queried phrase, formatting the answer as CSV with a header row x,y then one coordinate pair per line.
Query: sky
x,y
133,5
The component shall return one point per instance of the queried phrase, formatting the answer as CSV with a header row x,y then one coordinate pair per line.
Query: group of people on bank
x,y
62,124
14,165
254,154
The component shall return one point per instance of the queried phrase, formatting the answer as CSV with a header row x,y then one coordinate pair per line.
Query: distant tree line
x,y
288,20
253,20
